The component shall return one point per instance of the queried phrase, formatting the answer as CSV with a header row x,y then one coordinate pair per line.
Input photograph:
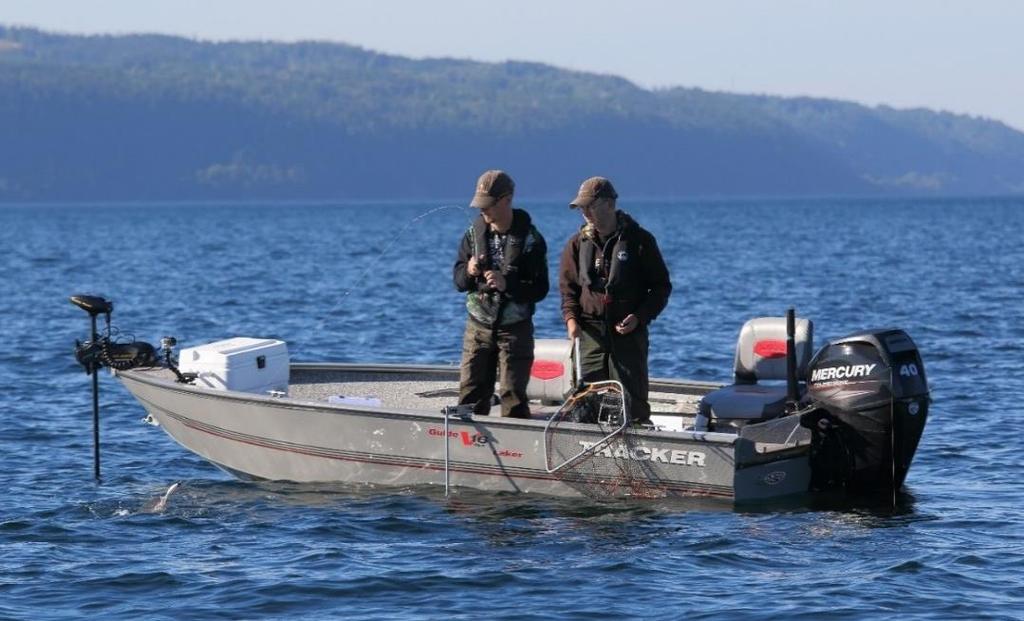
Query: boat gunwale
x,y
144,376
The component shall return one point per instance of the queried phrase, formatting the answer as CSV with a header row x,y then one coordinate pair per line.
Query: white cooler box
x,y
241,363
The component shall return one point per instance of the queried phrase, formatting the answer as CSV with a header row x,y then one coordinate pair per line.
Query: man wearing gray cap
x,y
614,283
502,267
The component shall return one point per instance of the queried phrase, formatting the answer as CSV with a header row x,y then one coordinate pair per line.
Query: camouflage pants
x,y
504,353
607,355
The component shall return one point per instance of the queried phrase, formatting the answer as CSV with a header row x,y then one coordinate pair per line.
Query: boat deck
x,y
431,388
673,405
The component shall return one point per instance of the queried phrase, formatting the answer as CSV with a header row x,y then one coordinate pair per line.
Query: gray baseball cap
x,y
591,190
491,187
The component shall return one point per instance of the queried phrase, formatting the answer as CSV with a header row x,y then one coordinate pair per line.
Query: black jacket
x,y
525,269
632,277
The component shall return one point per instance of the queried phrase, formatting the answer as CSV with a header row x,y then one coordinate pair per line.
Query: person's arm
x,y
569,285
530,284
464,262
656,280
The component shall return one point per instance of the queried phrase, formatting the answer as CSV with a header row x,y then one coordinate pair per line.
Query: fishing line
x,y
373,263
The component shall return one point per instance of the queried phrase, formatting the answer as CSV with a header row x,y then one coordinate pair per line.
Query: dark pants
x,y
607,355
504,353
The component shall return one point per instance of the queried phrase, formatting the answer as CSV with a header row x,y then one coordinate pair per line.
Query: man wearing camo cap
x,y
502,267
614,283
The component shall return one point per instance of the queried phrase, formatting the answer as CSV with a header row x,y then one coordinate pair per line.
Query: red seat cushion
x,y
547,369
770,349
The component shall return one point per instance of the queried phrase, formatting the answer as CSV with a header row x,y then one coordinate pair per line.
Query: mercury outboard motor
x,y
872,402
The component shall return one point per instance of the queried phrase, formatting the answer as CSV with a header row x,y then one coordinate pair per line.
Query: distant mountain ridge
x,y
157,117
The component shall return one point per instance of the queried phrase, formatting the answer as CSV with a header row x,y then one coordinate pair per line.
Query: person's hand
x,y
573,328
495,280
628,324
473,268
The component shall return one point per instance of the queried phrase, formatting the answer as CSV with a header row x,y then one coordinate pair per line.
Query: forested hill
x,y
156,117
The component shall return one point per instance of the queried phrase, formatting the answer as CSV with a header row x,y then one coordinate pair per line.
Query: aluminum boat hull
x,y
304,440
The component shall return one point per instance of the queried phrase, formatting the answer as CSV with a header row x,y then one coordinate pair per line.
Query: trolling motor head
x,y
101,351
92,304
88,353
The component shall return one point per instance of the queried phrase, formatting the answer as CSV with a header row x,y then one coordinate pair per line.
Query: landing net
x,y
590,446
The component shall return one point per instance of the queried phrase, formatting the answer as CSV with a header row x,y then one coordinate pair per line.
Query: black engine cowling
x,y
872,403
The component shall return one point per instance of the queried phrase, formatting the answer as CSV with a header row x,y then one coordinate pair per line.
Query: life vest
x,y
515,240
493,308
604,279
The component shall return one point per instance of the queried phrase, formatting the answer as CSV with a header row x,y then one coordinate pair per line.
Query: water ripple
x,y
331,280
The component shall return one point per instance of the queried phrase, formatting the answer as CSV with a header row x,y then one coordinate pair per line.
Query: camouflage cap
x,y
593,189
491,187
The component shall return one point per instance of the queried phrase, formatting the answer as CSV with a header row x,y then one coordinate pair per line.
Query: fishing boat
x,y
793,421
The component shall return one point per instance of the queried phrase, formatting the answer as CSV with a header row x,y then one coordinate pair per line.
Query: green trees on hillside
x,y
162,117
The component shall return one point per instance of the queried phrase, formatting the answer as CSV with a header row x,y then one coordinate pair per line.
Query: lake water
x,y
358,282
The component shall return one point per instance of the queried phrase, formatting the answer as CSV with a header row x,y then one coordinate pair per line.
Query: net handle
x,y
577,363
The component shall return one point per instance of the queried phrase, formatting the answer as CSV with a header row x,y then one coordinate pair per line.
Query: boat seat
x,y
551,376
747,402
760,356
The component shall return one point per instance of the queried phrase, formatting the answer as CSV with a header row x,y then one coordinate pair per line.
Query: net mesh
x,y
591,446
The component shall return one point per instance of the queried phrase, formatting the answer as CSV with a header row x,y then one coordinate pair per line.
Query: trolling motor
x,y
102,350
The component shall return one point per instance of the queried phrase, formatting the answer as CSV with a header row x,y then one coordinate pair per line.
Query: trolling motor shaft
x,y
87,356
99,351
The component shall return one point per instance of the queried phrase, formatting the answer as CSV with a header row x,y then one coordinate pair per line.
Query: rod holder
x,y
792,391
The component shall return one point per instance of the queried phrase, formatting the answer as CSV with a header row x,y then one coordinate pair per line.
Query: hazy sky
x,y
961,56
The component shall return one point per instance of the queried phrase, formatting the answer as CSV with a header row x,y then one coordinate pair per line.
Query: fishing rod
x,y
373,263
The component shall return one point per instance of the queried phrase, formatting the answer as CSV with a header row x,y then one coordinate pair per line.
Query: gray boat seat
x,y
552,373
760,357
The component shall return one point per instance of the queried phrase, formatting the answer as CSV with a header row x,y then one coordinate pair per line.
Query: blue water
x,y
344,282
